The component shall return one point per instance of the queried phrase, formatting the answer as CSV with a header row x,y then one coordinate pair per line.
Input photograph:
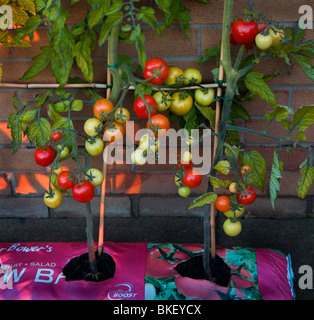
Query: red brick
x,y
5,185
289,184
22,160
6,105
302,98
27,183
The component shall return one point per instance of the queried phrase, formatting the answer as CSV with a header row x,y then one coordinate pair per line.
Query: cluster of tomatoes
x,y
264,35
233,207
179,103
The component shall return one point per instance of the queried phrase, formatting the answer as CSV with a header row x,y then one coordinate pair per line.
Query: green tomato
x,y
64,151
232,228
91,125
205,96
153,143
53,199
184,192
138,158
263,42
95,176
94,148
163,100
192,76
235,214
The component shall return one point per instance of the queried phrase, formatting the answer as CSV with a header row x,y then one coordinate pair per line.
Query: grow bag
x,y
34,271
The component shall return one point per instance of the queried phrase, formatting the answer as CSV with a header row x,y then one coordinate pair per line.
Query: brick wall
x,y
149,190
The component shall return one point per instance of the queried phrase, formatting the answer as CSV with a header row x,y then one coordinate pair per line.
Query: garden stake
x,y
103,185
218,111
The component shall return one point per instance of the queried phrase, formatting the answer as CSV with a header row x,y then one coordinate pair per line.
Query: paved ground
x,y
290,236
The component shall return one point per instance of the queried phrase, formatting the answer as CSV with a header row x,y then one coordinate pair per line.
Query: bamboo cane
x,y
218,113
103,185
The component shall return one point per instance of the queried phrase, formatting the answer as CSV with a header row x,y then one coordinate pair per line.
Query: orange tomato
x,y
102,108
114,131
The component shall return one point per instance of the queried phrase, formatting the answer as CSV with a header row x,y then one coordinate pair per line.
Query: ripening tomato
x,y
83,192
233,187
95,176
222,203
94,146
232,228
92,126
277,35
184,192
161,124
263,42
205,96
192,76
244,32
53,199
140,107
65,181
175,77
182,103
114,131
156,68
138,158
122,115
192,178
186,160
163,100
153,143
64,151
245,170
247,197
44,156
102,108
235,214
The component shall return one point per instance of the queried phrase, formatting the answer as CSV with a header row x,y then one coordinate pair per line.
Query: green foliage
x,y
275,178
306,179
203,200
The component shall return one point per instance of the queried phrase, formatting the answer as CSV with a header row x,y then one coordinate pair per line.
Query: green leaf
x,y
300,136
204,199
53,113
148,15
190,120
306,180
77,105
209,54
275,178
238,110
16,132
31,25
223,167
304,117
29,115
257,176
111,21
28,5
41,62
208,113
305,65
39,131
280,113
141,50
97,14
62,106
217,183
255,83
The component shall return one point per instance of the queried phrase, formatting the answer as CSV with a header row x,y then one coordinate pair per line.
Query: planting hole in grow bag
x,y
194,269
78,268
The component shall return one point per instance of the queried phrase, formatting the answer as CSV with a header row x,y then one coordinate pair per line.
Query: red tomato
x,y
244,31
160,121
56,136
186,164
247,197
83,192
63,180
140,108
157,68
222,204
232,40
192,178
45,156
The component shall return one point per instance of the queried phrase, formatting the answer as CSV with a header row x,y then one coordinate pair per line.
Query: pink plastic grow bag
x,y
33,271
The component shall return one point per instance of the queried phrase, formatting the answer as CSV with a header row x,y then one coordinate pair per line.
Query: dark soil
x,y
194,269
78,268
